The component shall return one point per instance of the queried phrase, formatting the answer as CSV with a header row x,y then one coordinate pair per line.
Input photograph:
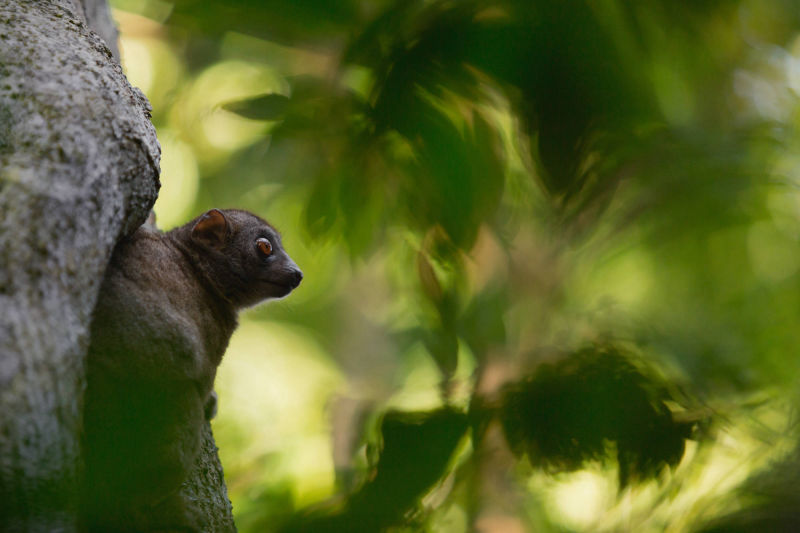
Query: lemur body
x,y
166,311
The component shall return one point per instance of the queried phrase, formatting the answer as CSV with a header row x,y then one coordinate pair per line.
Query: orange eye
x,y
264,247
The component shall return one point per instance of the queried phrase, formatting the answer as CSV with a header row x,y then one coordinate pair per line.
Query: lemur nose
x,y
297,277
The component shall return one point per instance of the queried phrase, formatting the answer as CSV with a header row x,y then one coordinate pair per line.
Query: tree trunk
x,y
79,166
206,487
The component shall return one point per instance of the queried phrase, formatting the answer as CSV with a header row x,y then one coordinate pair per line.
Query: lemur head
x,y
244,256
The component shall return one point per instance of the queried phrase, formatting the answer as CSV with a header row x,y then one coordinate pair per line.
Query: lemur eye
x,y
264,247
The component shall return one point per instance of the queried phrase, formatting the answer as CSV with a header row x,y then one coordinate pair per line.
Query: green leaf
x,y
264,107
417,448
567,412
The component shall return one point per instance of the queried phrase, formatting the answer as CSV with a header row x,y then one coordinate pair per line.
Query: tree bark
x,y
79,166
206,487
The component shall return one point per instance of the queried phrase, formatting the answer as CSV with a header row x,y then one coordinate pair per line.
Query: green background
x,y
557,242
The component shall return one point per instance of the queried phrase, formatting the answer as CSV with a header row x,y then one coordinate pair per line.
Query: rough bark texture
x,y
206,487
97,15
78,168
79,165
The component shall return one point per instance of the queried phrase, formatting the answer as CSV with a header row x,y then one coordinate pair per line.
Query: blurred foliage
x,y
569,413
415,451
551,255
769,502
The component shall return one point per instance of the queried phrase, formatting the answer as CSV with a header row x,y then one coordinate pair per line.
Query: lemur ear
x,y
211,228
